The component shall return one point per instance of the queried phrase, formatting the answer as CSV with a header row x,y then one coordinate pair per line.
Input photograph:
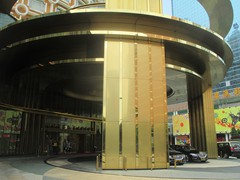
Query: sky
x,y
193,11
167,7
236,14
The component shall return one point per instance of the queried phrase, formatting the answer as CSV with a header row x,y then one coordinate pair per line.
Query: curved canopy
x,y
220,21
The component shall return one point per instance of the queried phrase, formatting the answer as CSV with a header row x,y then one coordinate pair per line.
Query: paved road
x,y
73,168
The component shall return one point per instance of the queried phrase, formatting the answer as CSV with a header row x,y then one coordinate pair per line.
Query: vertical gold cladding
x,y
120,96
152,104
137,77
136,100
210,124
144,122
139,5
196,113
111,105
159,106
129,95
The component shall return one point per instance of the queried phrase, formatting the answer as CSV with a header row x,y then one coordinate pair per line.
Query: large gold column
x,y
134,105
201,116
196,113
210,129
134,100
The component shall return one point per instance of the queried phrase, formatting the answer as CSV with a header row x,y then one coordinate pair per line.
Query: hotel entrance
x,y
68,136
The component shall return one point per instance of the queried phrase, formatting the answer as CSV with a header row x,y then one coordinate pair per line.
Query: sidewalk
x,y
65,168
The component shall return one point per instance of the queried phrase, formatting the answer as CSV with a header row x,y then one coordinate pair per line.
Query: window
x,y
37,5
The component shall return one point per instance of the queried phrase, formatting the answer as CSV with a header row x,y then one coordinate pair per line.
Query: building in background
x,y
227,93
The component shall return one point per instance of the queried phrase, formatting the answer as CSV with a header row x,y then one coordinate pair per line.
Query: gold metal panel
x,y
210,128
113,62
145,152
112,99
159,105
128,101
138,94
160,145
160,111
139,5
128,59
143,82
155,6
126,4
112,4
123,4
158,63
129,144
142,5
111,146
128,75
111,106
196,115
143,101
143,61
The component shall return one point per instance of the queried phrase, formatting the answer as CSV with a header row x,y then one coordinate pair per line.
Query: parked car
x,y
177,156
231,148
191,153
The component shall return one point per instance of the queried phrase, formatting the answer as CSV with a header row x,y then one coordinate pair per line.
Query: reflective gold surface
x,y
111,156
128,24
209,122
196,114
201,118
136,40
135,105
139,5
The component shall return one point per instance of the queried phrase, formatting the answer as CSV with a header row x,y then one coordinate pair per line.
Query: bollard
x,y
38,151
175,162
125,163
148,162
97,162
151,161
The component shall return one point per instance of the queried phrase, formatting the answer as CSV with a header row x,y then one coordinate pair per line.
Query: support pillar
x,y
134,105
201,116
210,129
196,113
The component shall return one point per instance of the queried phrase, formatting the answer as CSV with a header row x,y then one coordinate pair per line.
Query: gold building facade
x,y
143,57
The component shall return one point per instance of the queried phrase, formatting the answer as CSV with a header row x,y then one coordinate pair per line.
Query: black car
x,y
191,153
177,156
231,148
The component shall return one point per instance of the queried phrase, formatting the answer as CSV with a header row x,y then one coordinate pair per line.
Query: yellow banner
x,y
226,119
180,125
